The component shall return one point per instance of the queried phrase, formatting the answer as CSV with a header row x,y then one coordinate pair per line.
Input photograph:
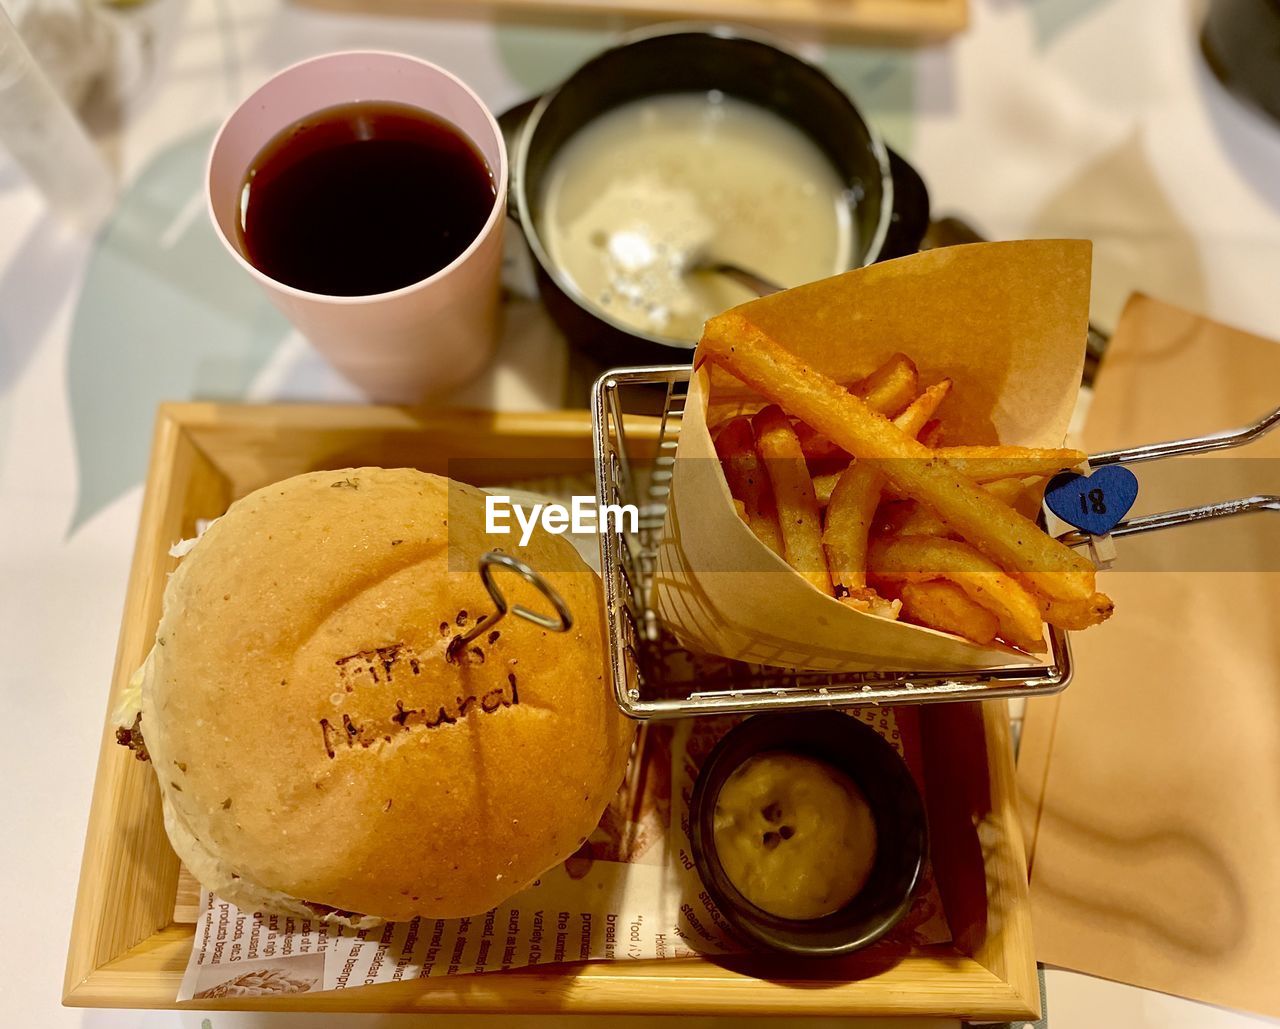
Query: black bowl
x,y
1241,42
889,202
901,838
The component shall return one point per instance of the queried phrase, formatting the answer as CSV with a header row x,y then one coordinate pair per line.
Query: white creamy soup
x,y
652,188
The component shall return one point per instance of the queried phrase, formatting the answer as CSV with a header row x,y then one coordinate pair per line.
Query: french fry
x,y
916,519
1023,495
1067,614
887,390
798,516
1007,491
825,485
921,520
848,525
989,464
1012,541
817,449
910,559
931,434
857,495
945,606
748,481
915,414
891,386
918,413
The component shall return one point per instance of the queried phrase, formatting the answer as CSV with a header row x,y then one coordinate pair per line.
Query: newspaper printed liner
x,y
1006,322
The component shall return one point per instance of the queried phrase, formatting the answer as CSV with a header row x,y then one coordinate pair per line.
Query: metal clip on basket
x,y
655,677
1185,448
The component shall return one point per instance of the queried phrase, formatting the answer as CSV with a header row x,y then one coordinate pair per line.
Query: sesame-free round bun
x,y
317,751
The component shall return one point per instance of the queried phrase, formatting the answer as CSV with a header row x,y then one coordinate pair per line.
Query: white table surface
x,y
1088,118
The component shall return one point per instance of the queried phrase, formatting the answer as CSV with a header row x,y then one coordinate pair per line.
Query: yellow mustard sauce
x,y
794,835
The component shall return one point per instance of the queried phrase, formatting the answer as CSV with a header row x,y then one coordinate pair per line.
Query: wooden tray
x,y
127,949
900,20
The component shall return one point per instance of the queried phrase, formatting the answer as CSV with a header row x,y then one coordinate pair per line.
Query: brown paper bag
x,y
1149,788
1005,321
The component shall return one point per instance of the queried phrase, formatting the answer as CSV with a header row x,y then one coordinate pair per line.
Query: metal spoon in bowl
x,y
705,264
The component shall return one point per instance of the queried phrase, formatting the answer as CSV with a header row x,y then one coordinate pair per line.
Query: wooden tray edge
x,y
900,21
147,974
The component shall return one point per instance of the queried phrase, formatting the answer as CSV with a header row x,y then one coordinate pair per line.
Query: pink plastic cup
x,y
423,339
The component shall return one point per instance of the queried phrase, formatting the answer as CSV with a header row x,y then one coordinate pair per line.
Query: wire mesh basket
x,y
653,675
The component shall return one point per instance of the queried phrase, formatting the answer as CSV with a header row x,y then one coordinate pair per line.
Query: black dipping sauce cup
x,y
858,751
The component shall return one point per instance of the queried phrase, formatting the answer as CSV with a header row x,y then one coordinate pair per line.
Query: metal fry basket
x,y
655,677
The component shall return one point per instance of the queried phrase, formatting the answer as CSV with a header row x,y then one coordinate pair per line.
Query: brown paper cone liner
x,y
1005,321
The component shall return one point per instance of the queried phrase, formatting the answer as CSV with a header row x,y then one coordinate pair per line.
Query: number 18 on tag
x,y
1094,503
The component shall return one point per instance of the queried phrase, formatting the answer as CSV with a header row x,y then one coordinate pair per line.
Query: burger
x,y
324,746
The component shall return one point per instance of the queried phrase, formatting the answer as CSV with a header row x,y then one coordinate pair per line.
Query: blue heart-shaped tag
x,y
1096,502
